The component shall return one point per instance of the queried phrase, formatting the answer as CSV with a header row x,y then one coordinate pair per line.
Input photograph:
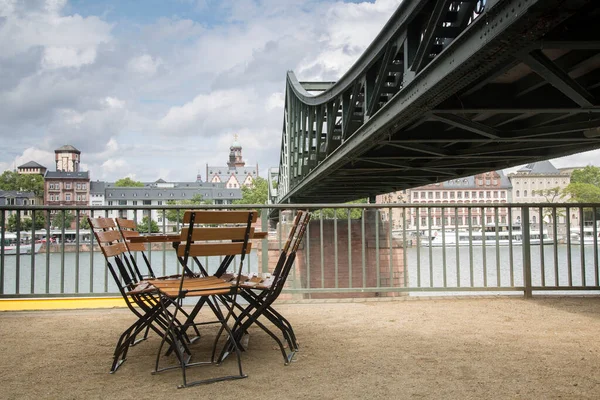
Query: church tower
x,y
235,155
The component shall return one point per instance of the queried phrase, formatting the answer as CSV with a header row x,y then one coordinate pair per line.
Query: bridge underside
x,y
531,93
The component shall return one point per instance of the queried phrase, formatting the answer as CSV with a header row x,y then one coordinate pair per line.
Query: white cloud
x,y
169,94
144,65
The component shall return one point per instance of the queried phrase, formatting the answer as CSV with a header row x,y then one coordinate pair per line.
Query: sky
x,y
151,89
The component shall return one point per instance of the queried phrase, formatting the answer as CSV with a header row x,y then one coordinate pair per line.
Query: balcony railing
x,y
359,250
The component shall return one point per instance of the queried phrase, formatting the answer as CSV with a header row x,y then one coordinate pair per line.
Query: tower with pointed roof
x,y
235,155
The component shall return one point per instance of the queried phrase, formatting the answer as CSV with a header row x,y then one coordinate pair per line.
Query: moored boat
x,y
491,236
10,247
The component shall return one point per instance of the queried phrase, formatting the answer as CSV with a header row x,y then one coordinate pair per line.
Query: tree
x,y
256,194
10,180
59,222
583,192
143,225
341,213
128,182
177,215
589,175
31,183
84,223
551,195
25,224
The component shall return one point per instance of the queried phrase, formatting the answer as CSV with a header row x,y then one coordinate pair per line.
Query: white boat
x,y
490,236
9,245
588,235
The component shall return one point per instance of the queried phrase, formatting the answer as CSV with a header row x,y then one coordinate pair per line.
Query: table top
x,y
161,238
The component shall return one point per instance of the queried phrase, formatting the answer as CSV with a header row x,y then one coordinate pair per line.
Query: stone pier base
x,y
316,268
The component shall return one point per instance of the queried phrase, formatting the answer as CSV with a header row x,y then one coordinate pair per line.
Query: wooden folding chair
x,y
207,234
140,297
261,292
128,230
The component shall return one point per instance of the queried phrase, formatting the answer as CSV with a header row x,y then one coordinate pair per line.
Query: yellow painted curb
x,y
63,303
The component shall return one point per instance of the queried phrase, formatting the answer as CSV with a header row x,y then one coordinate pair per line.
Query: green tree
x,y
583,192
589,175
143,225
26,222
59,222
341,213
256,194
128,182
31,183
10,180
84,223
177,215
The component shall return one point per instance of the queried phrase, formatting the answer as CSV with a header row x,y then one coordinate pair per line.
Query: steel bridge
x,y
447,89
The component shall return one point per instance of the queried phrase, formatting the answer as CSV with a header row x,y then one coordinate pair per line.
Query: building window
x,y
466,195
415,195
488,194
160,202
503,194
67,186
524,193
147,203
481,195
430,195
495,194
134,202
83,186
122,202
422,195
451,195
445,195
437,195
68,197
459,195
78,186
110,203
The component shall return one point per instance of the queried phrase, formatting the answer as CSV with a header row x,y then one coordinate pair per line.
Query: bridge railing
x,y
350,250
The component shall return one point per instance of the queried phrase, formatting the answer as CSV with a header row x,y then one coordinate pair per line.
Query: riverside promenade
x,y
406,348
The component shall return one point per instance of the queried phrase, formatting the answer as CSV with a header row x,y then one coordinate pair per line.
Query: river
x,y
86,272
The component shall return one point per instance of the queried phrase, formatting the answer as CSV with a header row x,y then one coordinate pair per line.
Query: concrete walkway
x,y
468,348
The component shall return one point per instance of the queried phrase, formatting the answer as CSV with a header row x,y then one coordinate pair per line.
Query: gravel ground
x,y
434,348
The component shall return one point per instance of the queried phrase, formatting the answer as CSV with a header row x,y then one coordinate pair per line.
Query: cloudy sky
x,y
157,89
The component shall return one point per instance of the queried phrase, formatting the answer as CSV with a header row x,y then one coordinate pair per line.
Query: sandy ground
x,y
478,348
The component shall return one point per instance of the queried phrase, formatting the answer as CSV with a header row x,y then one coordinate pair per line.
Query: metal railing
x,y
348,251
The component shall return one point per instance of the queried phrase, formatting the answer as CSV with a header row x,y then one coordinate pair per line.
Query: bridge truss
x,y
447,89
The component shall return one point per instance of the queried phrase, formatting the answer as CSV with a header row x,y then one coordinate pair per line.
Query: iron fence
x,y
367,250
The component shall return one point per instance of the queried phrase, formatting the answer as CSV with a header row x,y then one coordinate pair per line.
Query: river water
x,y
495,267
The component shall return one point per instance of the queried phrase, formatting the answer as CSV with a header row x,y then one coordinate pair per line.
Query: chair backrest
x,y
294,240
114,249
128,229
216,233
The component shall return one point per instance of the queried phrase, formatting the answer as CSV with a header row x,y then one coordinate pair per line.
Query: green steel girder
x,y
447,89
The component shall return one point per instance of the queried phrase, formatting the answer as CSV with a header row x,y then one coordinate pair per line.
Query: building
x,y
67,158
32,168
541,182
17,198
67,186
235,174
486,188
157,194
